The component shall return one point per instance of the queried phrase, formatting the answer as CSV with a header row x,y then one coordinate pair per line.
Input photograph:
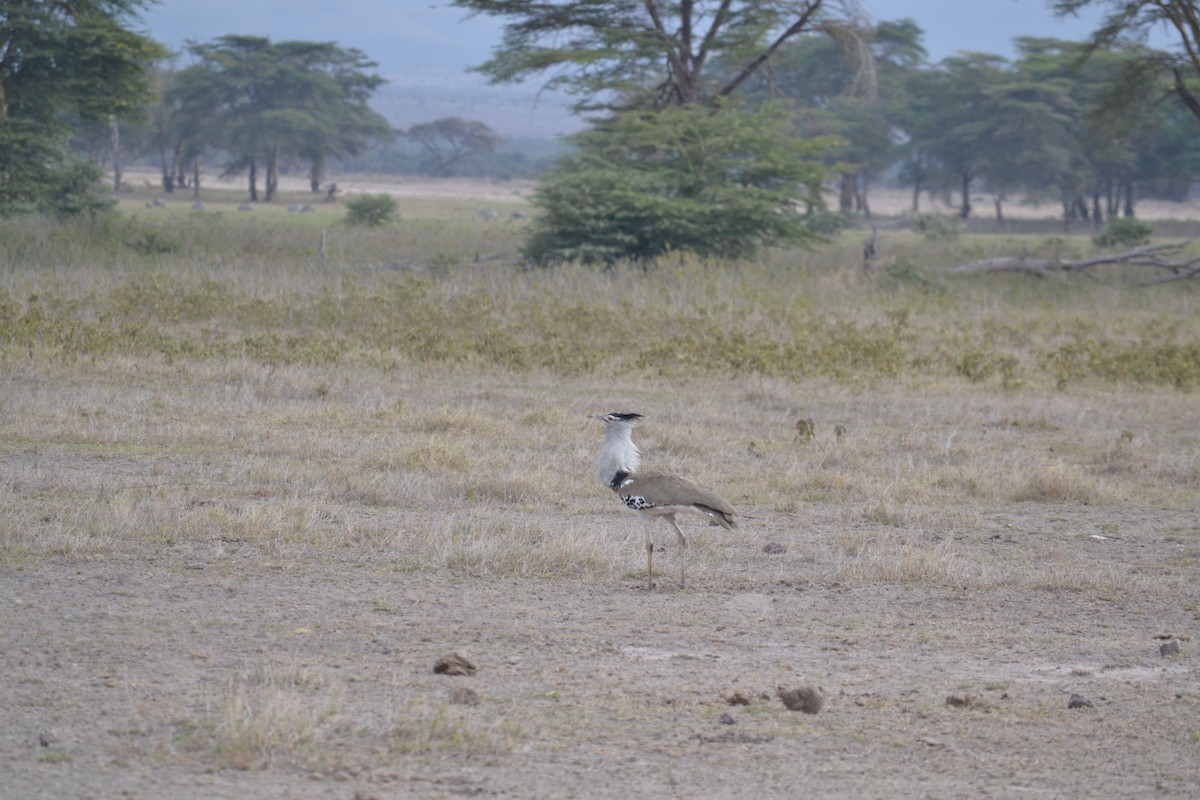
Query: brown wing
x,y
662,489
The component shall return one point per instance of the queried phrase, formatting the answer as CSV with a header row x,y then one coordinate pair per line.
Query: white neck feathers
x,y
619,453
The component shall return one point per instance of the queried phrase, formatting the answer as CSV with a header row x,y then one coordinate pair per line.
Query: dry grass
x,y
424,426
433,415
480,475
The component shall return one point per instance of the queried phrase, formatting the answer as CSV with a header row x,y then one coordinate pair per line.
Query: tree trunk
x,y
114,144
317,175
846,198
1097,212
999,208
272,172
162,155
176,165
1128,193
196,176
965,211
916,203
1190,100
253,181
862,181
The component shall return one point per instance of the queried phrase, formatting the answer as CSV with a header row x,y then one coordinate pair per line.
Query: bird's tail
x,y
724,517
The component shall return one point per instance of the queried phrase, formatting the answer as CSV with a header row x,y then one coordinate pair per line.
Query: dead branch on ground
x,y
1159,257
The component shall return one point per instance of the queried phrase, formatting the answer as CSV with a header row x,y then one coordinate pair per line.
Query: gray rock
x,y
1079,701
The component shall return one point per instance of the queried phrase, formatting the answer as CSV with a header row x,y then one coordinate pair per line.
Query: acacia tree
x,y
1079,138
651,53
645,183
948,116
63,63
265,104
1133,21
840,92
186,120
337,96
450,140
631,60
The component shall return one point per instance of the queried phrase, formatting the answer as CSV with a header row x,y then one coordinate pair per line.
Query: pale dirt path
x,y
888,202
515,191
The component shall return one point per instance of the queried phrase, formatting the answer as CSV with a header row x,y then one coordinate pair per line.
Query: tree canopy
x,y
450,140
676,164
264,103
650,53
643,184
1134,21
60,64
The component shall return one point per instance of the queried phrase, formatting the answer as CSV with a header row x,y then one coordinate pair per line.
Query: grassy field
x,y
442,288
287,484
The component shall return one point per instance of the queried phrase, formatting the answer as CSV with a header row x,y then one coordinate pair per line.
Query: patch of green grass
x,y
1166,363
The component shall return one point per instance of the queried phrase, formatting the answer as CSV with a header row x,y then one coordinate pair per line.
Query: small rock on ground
x,y
806,698
454,664
1079,701
464,696
967,700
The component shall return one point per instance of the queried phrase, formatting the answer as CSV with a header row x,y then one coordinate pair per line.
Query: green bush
x,y
826,223
154,243
77,190
1124,232
642,184
936,227
371,210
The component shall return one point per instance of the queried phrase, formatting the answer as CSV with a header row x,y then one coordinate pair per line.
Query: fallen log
x,y
1158,257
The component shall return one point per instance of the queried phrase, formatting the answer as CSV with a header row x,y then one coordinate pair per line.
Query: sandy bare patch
x,y
514,191
885,202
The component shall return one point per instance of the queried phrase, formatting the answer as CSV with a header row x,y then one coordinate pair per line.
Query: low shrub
x,y
1124,232
371,210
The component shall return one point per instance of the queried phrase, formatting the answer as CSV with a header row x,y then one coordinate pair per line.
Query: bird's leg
x,y
682,551
649,558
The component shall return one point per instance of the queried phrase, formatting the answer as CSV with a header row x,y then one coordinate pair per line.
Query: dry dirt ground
x,y
243,663
591,691
113,672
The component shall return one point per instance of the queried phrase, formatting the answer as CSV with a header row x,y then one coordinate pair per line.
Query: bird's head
x,y
625,418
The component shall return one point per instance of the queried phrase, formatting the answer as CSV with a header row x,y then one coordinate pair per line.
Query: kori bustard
x,y
653,494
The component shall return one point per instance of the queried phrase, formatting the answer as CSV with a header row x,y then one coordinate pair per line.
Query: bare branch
x,y
1155,257
799,26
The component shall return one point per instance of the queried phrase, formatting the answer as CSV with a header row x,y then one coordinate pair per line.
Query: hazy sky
x,y
411,37
424,46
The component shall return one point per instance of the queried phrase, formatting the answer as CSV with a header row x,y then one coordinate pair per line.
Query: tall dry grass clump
x,y
235,288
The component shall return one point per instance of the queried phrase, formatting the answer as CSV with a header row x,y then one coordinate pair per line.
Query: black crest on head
x,y
627,416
